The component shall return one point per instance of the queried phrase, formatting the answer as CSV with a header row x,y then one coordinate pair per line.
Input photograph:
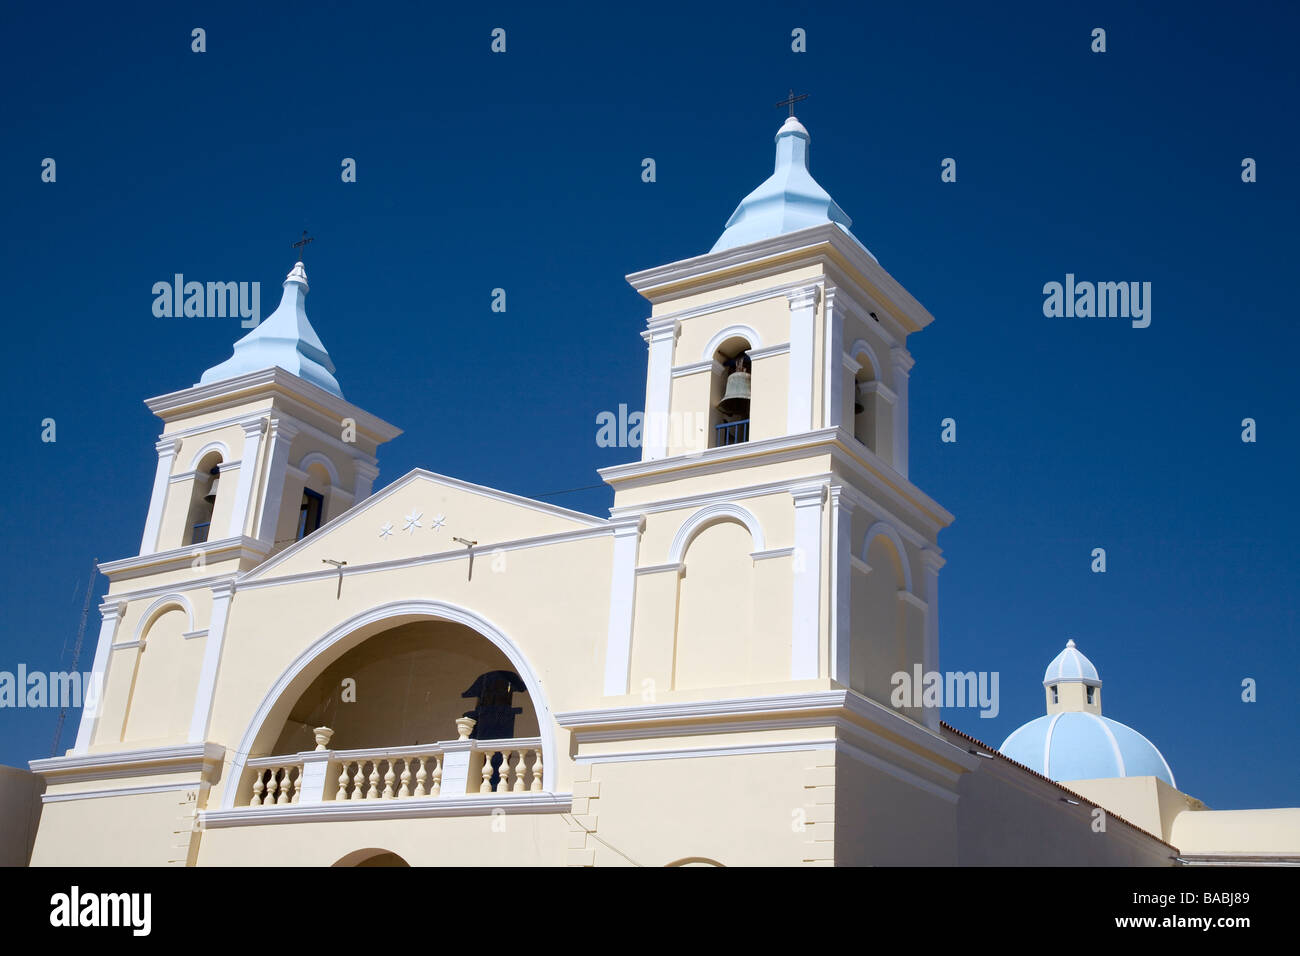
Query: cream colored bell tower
x,y
261,452
780,540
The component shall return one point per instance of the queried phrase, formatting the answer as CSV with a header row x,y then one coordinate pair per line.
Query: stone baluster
x,y
389,778
297,784
359,781
406,779
537,770
345,778
373,792
519,786
436,789
486,786
258,788
284,785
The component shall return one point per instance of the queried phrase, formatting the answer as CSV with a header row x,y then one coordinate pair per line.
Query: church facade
x,y
299,669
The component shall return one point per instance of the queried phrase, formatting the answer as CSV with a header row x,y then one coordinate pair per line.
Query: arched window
x,y
203,499
730,395
1092,694
311,510
1056,698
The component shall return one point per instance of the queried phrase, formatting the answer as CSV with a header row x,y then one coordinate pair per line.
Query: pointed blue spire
x,y
788,200
285,339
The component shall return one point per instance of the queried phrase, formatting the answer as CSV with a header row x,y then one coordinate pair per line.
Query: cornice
x,y
126,763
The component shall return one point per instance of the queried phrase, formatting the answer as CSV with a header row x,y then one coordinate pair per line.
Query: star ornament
x,y
438,522
413,522
386,530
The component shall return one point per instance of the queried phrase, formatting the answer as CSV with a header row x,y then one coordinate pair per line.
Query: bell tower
x,y
783,540
261,452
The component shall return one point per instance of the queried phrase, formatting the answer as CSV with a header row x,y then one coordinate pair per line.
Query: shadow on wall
x,y
20,808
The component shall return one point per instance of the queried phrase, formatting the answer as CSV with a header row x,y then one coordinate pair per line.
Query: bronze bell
x,y
735,397
211,496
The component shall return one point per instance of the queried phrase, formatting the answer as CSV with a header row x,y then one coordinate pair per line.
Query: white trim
x,y
194,635
723,305
483,804
127,645
176,758
803,332
739,331
805,600
661,340
167,449
122,792
772,553
711,514
710,366
206,690
417,609
660,568
841,585
153,612
888,531
622,605
254,431
858,564
734,750
110,617
215,445
1114,745
858,348
909,598
769,351
322,459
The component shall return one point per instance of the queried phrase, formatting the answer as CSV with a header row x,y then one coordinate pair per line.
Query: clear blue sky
x,y
522,171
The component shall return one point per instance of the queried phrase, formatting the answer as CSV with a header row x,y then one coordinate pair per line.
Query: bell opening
x,y
736,393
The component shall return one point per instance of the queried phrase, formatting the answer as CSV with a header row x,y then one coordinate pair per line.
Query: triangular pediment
x,y
419,515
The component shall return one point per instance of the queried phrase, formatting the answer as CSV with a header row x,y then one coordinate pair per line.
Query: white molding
x,y
205,692
176,559
841,584
622,605
803,360
199,399
214,445
661,339
110,617
176,758
711,514
772,553
122,792
733,302
171,599
412,609
322,459
127,645
908,597
805,606
897,772
167,449
483,804
194,635
661,568
889,532
734,750
769,351
860,347
738,331
709,366
858,564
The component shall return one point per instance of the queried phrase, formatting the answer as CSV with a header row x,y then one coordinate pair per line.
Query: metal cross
x,y
301,244
788,101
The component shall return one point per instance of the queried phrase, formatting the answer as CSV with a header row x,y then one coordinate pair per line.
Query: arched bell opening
x,y
203,498
731,394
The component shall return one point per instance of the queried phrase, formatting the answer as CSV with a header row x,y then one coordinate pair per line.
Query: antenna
x,y
76,656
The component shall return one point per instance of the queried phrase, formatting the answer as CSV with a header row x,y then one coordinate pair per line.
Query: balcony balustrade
x,y
449,768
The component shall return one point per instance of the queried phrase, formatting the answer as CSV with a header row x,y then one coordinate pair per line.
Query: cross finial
x,y
301,244
791,100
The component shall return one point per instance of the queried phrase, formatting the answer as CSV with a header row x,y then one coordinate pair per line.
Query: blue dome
x,y
1070,665
1074,745
787,201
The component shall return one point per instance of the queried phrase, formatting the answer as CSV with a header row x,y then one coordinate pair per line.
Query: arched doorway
x,y
370,857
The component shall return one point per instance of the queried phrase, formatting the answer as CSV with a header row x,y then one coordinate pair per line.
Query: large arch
x,y
708,515
352,632
217,446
